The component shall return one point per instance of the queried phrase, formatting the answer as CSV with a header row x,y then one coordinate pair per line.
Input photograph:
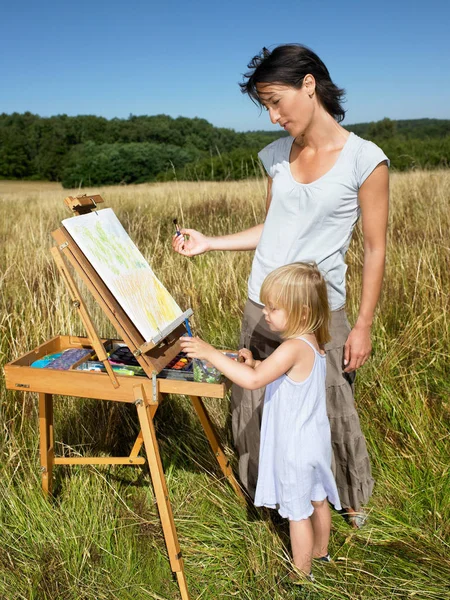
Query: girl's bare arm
x,y
278,363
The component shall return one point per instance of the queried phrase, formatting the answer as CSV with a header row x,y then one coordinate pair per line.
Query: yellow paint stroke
x,y
147,299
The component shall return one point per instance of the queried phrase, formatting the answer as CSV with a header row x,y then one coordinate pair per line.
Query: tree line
x,y
89,150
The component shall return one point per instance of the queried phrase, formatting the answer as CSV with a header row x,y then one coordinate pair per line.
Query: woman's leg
x,y
351,465
321,525
302,543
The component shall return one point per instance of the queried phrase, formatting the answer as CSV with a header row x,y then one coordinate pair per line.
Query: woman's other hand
x,y
196,244
357,348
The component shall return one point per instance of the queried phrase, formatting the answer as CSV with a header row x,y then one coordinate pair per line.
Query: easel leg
x,y
161,492
46,441
214,443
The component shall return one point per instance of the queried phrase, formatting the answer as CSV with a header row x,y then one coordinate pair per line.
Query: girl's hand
x,y
196,244
196,348
247,357
357,348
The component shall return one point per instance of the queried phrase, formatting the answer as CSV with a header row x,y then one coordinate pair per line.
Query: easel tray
x,y
21,376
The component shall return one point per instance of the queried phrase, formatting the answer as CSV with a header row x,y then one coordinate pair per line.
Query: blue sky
x,y
186,57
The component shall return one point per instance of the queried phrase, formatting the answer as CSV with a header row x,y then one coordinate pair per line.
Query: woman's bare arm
x,y
374,202
197,243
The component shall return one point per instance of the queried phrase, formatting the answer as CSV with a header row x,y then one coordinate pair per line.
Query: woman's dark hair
x,y
287,65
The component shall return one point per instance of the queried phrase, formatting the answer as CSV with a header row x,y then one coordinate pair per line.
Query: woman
x,y
321,178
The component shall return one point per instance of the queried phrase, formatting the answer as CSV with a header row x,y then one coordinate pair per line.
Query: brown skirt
x,y
351,465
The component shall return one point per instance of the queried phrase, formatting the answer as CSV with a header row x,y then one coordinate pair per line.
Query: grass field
x,y
100,537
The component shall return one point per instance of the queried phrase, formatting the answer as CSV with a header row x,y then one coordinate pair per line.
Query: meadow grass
x,y
100,537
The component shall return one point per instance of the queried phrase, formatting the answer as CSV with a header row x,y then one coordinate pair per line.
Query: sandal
x,y
326,558
357,520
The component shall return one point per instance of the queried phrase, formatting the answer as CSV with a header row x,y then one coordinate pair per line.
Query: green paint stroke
x,y
112,248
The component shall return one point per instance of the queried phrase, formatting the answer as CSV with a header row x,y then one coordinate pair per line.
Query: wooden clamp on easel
x,y
145,393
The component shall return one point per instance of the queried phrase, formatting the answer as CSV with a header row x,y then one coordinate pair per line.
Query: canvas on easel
x,y
105,243
153,340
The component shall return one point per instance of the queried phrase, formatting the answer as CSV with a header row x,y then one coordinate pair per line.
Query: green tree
x,y
382,130
109,164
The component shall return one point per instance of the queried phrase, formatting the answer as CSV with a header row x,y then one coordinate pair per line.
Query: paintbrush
x,y
186,321
188,329
177,227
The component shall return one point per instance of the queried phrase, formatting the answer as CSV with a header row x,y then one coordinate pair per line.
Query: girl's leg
x,y
321,526
302,542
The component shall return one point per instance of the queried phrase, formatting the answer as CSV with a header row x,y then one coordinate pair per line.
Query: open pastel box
x,y
20,375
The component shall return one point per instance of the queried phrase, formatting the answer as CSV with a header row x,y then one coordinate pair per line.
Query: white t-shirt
x,y
312,221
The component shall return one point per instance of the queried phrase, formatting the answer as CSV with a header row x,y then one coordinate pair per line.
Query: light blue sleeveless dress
x,y
295,450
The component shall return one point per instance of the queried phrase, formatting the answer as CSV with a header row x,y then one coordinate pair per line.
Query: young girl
x,y
295,453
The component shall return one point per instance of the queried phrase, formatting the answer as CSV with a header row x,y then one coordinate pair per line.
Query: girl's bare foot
x,y
298,577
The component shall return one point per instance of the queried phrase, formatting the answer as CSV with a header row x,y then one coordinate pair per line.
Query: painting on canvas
x,y
124,270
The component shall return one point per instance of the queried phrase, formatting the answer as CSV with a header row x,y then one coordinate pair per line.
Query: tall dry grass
x,y
100,537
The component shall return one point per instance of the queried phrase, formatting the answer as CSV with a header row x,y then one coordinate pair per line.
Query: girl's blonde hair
x,y
299,289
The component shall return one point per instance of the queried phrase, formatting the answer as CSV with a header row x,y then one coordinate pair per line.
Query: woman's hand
x,y
196,244
247,357
196,348
357,348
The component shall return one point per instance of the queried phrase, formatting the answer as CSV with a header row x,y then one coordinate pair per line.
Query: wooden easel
x,y
145,393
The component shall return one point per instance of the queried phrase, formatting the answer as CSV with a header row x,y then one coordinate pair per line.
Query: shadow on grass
x,y
102,428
